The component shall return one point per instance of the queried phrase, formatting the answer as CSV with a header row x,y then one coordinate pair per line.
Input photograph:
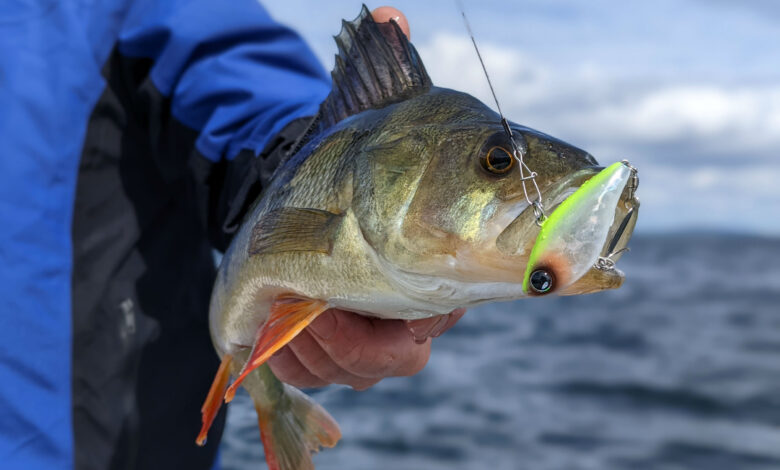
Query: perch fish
x,y
405,201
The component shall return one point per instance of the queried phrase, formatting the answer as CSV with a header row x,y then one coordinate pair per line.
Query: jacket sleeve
x,y
235,77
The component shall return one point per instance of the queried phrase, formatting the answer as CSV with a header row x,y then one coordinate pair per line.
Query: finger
x,y
317,362
287,368
452,319
434,326
385,14
369,347
424,328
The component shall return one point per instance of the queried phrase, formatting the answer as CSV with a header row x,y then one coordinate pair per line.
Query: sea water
x,y
678,369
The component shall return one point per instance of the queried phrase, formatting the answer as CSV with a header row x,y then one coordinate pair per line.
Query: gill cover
x,y
573,236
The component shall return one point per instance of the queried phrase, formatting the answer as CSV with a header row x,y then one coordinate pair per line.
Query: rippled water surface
x,y
678,369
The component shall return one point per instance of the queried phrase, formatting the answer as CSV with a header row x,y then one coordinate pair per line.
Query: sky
x,y
687,90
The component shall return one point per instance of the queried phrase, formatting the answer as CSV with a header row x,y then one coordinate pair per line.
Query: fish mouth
x,y
604,274
590,219
581,239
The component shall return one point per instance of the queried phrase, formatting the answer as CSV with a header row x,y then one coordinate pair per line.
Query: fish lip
x,y
556,193
595,280
570,182
507,241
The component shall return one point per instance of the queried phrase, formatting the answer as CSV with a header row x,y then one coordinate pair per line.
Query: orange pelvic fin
x,y
289,316
213,401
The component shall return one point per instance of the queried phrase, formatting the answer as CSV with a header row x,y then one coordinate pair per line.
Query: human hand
x,y
346,348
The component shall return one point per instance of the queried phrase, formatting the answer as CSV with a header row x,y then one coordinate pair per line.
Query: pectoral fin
x,y
289,316
294,229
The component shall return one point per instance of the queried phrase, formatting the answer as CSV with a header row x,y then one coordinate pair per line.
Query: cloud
x,y
687,91
707,152
587,105
762,8
738,120
734,199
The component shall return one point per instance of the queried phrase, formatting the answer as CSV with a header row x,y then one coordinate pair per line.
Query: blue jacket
x,y
130,136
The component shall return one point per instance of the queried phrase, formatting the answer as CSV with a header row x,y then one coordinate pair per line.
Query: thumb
x,y
385,14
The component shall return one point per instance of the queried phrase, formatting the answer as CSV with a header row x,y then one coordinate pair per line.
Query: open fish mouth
x,y
582,239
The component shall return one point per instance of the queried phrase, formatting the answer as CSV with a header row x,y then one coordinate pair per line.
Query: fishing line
x,y
517,152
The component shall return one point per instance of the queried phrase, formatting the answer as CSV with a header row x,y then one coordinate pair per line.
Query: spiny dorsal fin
x,y
376,66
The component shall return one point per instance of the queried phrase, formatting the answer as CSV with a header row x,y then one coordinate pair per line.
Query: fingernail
x,y
420,329
440,326
423,329
324,326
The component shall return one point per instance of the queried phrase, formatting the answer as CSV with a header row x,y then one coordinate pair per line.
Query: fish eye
x,y
498,160
541,281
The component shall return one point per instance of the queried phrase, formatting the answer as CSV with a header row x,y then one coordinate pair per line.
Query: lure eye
x,y
541,281
498,160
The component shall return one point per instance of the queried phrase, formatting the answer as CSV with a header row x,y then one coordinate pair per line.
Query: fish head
x,y
439,195
450,201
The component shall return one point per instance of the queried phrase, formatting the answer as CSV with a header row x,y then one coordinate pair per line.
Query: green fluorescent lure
x,y
573,236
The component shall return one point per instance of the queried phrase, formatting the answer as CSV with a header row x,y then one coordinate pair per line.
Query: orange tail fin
x,y
288,317
293,430
214,398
